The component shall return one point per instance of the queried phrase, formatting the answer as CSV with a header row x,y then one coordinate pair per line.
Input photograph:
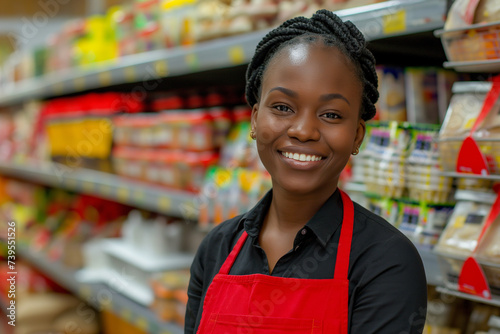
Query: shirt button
x,y
303,232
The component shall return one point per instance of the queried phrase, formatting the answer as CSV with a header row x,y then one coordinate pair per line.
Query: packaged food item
x,y
122,23
465,224
391,105
170,294
221,118
465,106
421,95
487,11
191,168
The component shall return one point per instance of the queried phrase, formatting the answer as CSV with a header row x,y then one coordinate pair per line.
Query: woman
x,y
306,259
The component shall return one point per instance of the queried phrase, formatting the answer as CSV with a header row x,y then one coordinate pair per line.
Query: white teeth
x,y
301,157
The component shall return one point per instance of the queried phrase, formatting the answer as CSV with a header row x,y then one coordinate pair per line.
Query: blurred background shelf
x,y
100,296
109,186
377,21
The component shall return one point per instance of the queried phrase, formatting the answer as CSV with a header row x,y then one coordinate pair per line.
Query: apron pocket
x,y
248,324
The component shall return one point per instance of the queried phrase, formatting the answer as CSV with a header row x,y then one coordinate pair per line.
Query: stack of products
x,y
18,139
170,290
414,94
176,143
400,168
79,129
237,183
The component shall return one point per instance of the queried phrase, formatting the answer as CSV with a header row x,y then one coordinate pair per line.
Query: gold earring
x,y
356,151
252,135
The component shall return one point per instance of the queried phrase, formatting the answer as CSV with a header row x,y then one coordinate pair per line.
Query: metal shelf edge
x,y
134,193
495,301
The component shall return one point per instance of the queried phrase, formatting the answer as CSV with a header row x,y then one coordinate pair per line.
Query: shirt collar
x,y
323,224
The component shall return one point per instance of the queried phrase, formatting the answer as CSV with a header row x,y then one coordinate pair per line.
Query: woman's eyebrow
x,y
285,91
333,96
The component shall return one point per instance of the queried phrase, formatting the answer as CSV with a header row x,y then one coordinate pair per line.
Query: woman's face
x,y
307,121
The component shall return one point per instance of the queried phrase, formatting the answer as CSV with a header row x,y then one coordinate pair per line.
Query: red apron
x,y
263,304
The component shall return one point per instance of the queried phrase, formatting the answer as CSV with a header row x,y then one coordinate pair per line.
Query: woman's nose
x,y
304,127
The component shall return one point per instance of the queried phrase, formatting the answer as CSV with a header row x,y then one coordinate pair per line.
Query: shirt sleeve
x,y
392,294
195,290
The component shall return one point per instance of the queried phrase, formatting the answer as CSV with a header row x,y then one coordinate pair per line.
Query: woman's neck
x,y
293,211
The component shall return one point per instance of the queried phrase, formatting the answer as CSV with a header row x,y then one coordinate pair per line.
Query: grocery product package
x,y
391,105
422,95
465,106
460,236
487,11
461,14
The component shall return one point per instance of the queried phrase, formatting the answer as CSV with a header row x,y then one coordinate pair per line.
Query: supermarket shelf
x,y
391,18
472,176
101,296
61,275
495,301
480,66
138,194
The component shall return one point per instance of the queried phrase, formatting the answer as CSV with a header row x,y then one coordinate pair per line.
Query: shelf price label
x,y
139,195
58,88
164,204
122,194
105,190
142,323
104,78
129,72
79,83
87,186
161,68
236,55
395,22
71,183
192,61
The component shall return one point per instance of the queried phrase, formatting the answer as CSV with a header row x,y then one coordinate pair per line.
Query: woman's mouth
x,y
301,156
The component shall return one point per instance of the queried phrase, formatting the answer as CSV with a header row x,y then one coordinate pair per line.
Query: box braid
x,y
326,26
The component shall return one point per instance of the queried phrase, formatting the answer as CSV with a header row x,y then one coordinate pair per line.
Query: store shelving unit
x,y
495,301
109,186
472,176
387,19
378,21
100,296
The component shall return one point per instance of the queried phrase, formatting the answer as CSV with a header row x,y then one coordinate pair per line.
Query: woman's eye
x,y
282,108
331,115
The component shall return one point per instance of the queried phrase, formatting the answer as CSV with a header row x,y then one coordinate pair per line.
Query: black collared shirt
x,y
387,285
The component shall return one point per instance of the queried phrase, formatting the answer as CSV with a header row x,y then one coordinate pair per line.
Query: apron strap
x,y
224,270
344,249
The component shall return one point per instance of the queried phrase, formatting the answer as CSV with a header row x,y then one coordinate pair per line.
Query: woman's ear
x,y
360,134
255,109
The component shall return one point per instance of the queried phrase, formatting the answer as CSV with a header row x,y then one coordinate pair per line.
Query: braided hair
x,y
329,28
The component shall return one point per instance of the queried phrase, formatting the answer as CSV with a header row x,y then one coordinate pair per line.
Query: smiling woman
x,y
306,259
